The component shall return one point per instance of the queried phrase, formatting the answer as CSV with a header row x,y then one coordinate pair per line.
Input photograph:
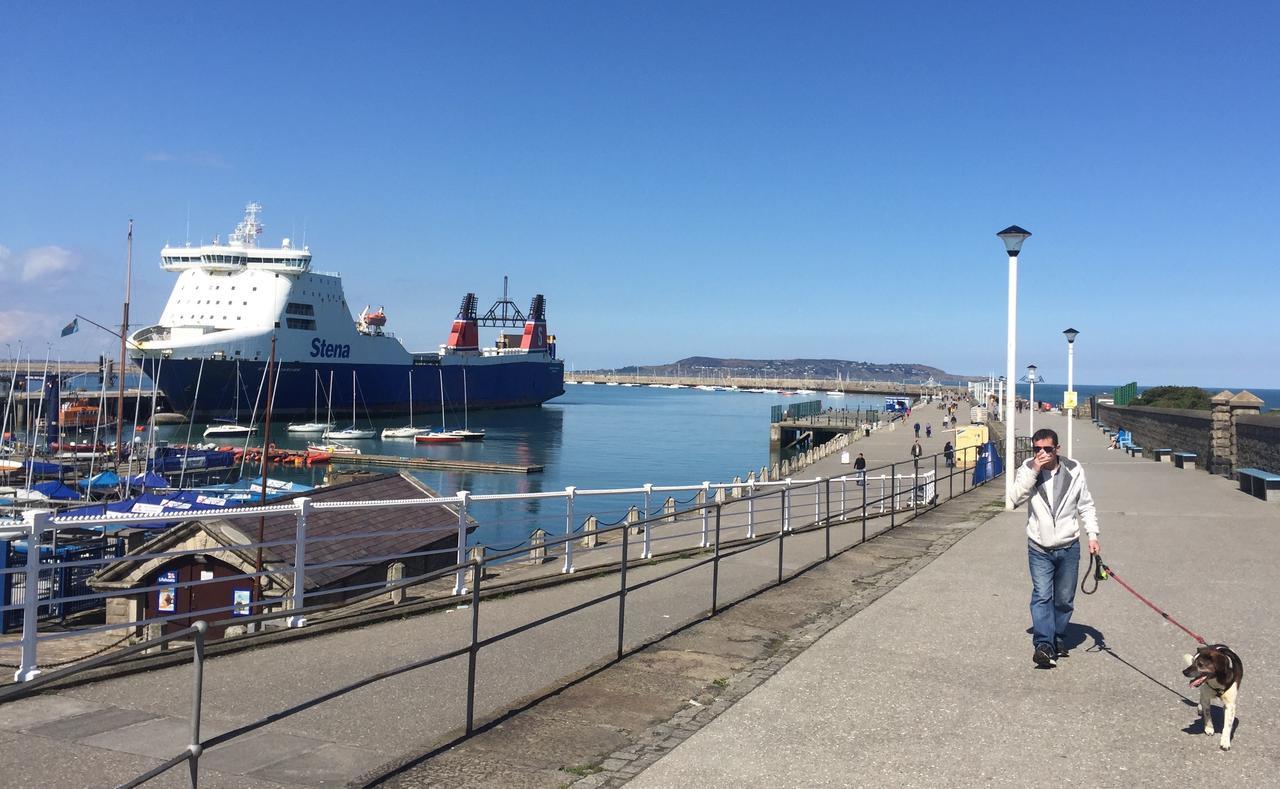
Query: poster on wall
x,y
166,599
240,602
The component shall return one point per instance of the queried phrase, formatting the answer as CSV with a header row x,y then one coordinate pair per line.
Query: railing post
x,y
299,563
865,484
197,698
751,506
951,477
706,513
786,508
843,507
622,589
460,581
645,552
37,524
817,501
715,565
782,531
893,495
474,652
827,520
935,475
568,529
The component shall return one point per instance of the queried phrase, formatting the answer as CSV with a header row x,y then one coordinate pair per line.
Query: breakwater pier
x,y
744,383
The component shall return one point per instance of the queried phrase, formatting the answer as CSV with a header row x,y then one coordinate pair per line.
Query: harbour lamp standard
x,y
1071,392
1031,413
1012,236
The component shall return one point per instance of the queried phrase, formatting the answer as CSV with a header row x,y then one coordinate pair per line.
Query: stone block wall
x,y
1258,442
1152,428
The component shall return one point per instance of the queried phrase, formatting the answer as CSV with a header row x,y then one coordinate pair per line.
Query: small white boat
x,y
350,433
229,431
309,427
316,426
333,449
588,383
408,431
353,432
438,437
468,435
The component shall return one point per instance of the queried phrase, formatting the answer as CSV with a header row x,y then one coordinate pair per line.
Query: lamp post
x,y
1071,358
1012,236
1031,412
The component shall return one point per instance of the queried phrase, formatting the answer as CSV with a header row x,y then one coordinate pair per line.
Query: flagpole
x,y
124,334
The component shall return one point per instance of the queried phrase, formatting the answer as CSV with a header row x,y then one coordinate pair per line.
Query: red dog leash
x,y
1101,571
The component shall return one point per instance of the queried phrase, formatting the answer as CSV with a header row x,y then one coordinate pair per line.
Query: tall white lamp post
x,y
1071,390
1012,236
1031,412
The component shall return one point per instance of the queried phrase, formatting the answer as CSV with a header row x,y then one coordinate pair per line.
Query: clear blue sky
x,y
727,179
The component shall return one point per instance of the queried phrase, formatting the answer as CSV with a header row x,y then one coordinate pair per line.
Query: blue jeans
x,y
1053,591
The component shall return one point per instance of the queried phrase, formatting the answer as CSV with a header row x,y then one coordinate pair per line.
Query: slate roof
x,y
400,530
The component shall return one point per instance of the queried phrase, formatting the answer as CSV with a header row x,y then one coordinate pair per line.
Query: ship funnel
x,y
535,328
465,334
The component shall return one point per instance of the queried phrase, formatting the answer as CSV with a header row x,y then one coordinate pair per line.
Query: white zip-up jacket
x,y
1054,521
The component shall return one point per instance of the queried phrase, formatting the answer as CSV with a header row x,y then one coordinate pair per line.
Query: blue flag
x,y
71,328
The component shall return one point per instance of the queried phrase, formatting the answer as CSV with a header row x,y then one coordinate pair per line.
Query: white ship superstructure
x,y
231,298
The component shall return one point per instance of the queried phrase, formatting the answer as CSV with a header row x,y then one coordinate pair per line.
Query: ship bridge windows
x,y
300,323
297,308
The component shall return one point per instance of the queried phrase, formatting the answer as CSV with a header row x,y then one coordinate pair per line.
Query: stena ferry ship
x,y
209,351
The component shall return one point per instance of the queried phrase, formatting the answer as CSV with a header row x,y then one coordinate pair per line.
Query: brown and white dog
x,y
1217,671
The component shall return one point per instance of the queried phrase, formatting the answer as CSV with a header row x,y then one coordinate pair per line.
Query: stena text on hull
x,y
230,298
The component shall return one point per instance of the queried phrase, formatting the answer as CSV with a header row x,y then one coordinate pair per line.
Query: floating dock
x,y
433,463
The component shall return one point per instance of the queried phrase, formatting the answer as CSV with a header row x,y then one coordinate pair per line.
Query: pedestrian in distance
x,y
1058,505
928,430
917,429
949,454
860,469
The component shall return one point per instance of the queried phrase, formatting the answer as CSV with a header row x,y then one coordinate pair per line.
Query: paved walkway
x,y
933,685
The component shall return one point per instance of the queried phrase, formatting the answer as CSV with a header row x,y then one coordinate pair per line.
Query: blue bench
x,y
1184,459
1165,455
1257,482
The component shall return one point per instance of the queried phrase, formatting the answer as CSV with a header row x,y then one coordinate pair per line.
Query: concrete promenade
x,y
933,684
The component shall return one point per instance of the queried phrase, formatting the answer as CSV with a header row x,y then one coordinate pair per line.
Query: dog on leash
x,y
1217,671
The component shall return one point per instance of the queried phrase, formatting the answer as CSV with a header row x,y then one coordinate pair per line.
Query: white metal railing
x,y
760,506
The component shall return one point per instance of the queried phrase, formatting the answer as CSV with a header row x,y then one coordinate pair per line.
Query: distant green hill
x,y
827,369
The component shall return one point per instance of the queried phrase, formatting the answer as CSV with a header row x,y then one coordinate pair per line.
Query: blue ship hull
x,y
381,389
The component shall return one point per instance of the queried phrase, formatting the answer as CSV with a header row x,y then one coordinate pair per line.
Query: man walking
x,y
1059,503
860,469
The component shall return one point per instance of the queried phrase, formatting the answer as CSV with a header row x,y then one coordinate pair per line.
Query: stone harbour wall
x,y
1258,442
1153,428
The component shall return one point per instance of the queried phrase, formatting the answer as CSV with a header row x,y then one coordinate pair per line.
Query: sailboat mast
x,y
410,398
266,444
466,417
124,335
441,371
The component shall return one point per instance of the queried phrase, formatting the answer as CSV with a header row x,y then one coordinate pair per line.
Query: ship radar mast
x,y
247,232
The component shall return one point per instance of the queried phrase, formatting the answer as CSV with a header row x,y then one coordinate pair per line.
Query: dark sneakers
x,y
1061,647
1044,656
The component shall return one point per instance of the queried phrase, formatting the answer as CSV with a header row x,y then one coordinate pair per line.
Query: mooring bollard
x,y
395,573
633,517
476,554
736,490
538,546
589,536
669,509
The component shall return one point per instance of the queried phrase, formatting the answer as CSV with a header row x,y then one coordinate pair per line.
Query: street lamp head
x,y
1071,335
1013,236
1031,372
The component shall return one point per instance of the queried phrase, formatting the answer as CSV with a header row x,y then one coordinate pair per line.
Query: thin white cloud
x,y
42,263
194,158
22,324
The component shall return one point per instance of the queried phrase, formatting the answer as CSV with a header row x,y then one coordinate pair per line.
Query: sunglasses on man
x,y
1050,450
